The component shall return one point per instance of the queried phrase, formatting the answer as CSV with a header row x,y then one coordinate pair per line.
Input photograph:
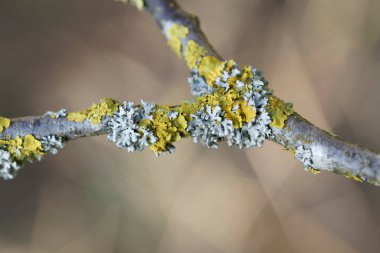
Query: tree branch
x,y
328,152
231,103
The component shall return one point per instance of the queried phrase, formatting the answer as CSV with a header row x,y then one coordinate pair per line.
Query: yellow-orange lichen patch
x,y
4,123
279,111
193,54
95,113
175,33
210,68
23,148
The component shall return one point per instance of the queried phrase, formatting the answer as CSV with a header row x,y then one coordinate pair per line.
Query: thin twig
x,y
324,151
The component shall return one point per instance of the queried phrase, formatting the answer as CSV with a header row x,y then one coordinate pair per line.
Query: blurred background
x,y
322,55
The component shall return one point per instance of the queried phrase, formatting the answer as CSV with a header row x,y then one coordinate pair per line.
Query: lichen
x,y
139,4
279,111
4,123
52,144
350,175
198,85
193,54
233,109
304,154
130,126
313,171
175,33
95,113
54,115
167,129
14,152
210,68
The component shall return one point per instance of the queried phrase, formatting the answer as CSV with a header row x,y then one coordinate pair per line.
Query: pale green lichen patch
x,y
4,123
175,33
279,111
193,54
95,113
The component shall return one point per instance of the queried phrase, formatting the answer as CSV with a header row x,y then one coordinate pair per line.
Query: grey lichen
x,y
304,155
58,114
8,168
210,126
126,130
52,144
198,85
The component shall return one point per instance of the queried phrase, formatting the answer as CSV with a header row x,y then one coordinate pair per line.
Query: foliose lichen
x,y
14,152
193,53
198,85
139,4
279,111
125,125
54,115
4,123
52,144
175,33
231,107
304,155
95,113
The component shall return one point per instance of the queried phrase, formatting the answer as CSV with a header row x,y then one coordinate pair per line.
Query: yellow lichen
x,y
313,171
193,53
357,178
279,111
23,148
231,101
354,177
175,33
349,175
167,130
95,113
139,4
4,123
210,68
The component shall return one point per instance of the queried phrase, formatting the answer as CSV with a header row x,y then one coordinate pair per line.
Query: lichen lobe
x,y
175,34
4,123
279,111
96,112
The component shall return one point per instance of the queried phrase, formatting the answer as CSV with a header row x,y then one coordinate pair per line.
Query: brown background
x,y
323,55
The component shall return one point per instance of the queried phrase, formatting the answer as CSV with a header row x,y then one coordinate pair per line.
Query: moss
x,y
210,68
23,148
193,54
175,33
4,123
279,111
95,113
